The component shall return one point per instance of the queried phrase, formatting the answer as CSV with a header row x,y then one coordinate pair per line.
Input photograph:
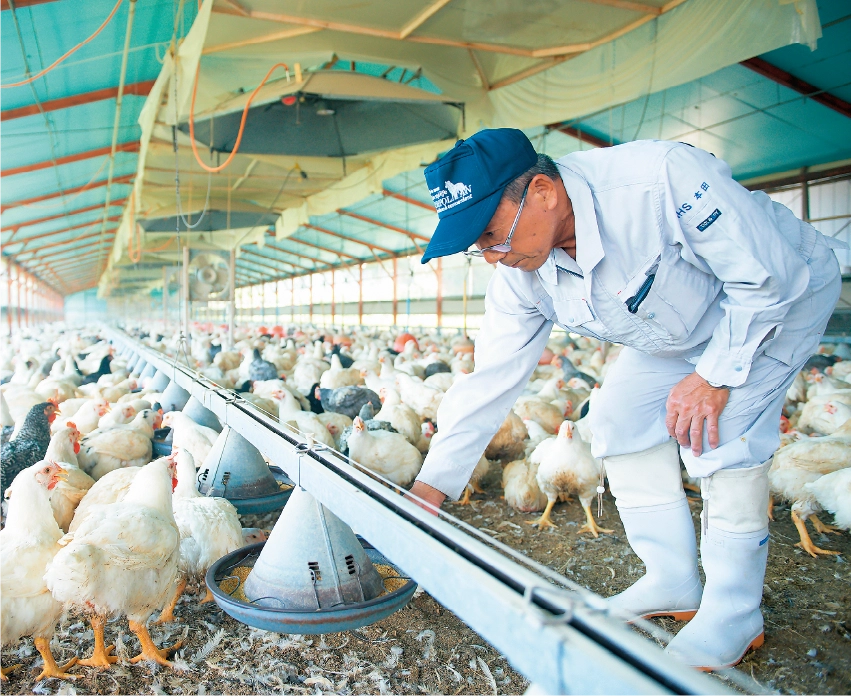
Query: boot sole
x,y
676,615
754,645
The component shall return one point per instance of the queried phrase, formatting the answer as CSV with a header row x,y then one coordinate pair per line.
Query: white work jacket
x,y
723,266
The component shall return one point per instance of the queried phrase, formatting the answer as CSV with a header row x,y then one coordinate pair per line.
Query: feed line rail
x,y
560,639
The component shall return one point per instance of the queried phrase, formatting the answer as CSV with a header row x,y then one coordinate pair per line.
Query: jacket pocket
x,y
678,299
572,312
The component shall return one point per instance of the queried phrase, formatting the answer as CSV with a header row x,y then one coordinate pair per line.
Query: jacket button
x,y
570,320
650,315
738,368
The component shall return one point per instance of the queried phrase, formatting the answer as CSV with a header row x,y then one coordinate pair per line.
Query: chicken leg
x,y
167,614
6,671
100,656
149,650
207,597
771,507
806,543
544,520
51,669
591,525
821,527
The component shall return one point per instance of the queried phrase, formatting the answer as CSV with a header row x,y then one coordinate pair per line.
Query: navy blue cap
x,y
466,185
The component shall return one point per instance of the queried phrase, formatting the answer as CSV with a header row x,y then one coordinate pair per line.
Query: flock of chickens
x,y
94,527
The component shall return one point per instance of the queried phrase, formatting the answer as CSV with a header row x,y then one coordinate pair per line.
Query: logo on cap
x,y
450,196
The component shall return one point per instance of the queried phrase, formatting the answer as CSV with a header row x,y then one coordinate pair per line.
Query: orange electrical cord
x,y
71,52
216,170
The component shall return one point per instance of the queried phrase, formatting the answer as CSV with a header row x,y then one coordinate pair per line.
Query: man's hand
x,y
427,493
690,403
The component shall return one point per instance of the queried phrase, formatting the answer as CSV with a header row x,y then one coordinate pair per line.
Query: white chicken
x,y
111,488
385,453
86,418
566,467
338,376
424,399
479,472
401,416
122,560
28,543
209,529
119,446
833,493
117,415
306,422
823,415
803,462
521,490
68,493
187,435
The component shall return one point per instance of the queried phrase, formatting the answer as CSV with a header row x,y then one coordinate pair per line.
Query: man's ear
x,y
544,187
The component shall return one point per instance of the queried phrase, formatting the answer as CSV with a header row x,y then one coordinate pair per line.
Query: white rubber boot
x,y
649,492
734,551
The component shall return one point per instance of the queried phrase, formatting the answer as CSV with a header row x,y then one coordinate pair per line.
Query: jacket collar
x,y
589,248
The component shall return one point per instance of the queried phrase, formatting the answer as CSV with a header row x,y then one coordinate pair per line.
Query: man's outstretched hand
x,y
427,493
691,402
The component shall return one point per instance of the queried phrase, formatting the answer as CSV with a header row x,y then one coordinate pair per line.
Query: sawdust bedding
x,y
806,605
422,649
426,649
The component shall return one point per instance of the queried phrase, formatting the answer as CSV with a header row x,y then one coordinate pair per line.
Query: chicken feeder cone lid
x,y
201,415
174,398
312,561
160,382
234,469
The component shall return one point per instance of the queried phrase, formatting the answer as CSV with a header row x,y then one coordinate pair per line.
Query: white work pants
x,y
628,415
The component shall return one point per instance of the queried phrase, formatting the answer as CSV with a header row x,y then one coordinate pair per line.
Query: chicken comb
x,y
71,424
53,400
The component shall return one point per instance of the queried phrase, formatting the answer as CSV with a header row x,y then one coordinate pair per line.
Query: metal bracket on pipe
x,y
553,636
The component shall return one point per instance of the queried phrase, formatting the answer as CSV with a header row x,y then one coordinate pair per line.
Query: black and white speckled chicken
x,y
347,400
260,370
6,421
29,446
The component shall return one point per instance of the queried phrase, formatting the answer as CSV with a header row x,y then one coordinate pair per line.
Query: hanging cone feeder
x,y
131,362
160,382
174,398
148,372
138,368
201,415
235,469
313,575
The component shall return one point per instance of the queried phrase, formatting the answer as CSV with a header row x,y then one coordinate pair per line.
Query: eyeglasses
x,y
504,247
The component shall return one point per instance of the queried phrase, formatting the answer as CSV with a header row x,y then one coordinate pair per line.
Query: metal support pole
x,y
395,289
360,294
805,196
231,298
185,280
310,298
292,299
277,300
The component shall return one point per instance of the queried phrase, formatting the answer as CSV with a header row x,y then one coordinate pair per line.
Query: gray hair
x,y
545,165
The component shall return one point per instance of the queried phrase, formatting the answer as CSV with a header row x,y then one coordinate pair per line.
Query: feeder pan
x,y
313,576
174,398
201,415
148,372
160,382
235,469
161,445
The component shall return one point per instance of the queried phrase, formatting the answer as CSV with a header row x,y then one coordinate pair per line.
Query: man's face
x,y
534,234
